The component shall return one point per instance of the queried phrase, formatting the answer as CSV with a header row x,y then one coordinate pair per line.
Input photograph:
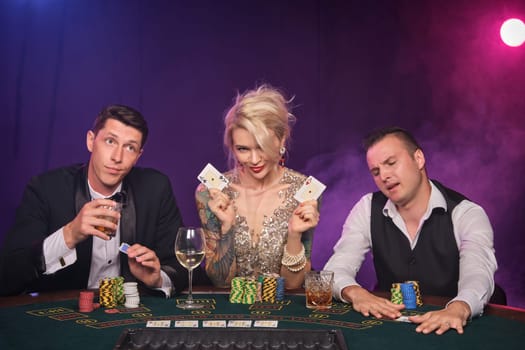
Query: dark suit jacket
x,y
53,199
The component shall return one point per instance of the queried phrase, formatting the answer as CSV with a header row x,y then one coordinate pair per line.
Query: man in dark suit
x,y
58,240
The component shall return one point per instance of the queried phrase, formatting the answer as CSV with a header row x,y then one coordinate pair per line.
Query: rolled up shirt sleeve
x,y
350,250
477,262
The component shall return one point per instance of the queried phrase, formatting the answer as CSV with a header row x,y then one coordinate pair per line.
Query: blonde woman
x,y
255,226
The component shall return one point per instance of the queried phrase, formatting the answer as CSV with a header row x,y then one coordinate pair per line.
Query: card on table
x,y
266,323
310,190
240,323
212,178
214,324
187,324
403,319
158,323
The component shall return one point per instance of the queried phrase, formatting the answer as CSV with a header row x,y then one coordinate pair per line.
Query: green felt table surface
x,y
59,325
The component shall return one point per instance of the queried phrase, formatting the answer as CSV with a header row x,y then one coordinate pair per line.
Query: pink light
x,y
512,32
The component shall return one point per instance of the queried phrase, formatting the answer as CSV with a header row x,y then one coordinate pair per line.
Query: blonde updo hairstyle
x,y
259,111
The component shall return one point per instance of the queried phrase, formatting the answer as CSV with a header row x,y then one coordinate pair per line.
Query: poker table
x,y
52,321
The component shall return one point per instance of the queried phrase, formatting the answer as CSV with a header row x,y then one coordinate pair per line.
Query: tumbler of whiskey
x,y
318,289
111,233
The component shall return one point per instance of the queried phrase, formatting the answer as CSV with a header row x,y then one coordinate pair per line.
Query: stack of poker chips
x,y
85,301
244,290
409,295
279,293
419,300
272,288
269,289
237,290
396,296
111,291
250,291
131,294
118,290
106,293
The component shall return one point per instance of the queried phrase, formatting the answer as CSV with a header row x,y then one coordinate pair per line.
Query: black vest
x,y
434,262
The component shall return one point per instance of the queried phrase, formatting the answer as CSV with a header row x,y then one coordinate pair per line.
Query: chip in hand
x,y
124,248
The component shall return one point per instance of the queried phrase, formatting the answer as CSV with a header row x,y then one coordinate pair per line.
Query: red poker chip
x,y
111,311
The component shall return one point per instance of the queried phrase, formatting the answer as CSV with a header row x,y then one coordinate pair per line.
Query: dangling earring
x,y
282,151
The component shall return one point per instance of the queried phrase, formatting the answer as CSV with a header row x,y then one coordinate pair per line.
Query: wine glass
x,y
189,249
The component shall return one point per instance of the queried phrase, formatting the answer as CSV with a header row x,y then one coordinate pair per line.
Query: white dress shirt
x,y
105,256
472,231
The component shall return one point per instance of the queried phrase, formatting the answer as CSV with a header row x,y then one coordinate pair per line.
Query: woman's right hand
x,y
221,205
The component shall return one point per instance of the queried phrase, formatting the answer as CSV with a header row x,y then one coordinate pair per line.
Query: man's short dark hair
x,y
124,114
374,137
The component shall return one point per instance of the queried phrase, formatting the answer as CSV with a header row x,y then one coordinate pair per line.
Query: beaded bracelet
x,y
298,268
292,260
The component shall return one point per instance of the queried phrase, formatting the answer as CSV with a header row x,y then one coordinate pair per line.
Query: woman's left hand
x,y
305,217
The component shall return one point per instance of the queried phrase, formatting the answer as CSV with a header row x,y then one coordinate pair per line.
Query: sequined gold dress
x,y
237,246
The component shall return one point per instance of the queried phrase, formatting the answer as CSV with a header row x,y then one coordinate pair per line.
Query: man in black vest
x,y
58,240
418,230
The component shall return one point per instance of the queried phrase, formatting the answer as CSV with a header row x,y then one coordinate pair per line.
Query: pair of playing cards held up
x,y
212,178
310,190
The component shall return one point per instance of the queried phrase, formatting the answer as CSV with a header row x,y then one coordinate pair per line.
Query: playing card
x,y
214,323
266,323
310,190
187,324
212,178
240,323
158,323
124,248
402,319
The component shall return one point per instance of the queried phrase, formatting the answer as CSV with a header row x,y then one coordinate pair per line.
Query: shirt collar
x,y
437,200
95,195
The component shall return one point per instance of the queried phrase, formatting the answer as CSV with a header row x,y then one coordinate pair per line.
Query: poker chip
x,y
396,296
269,289
130,294
106,294
279,292
111,311
113,292
85,301
409,295
250,292
419,300
118,290
237,290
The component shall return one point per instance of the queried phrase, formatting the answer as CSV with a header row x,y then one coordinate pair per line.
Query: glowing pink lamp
x,y
512,32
